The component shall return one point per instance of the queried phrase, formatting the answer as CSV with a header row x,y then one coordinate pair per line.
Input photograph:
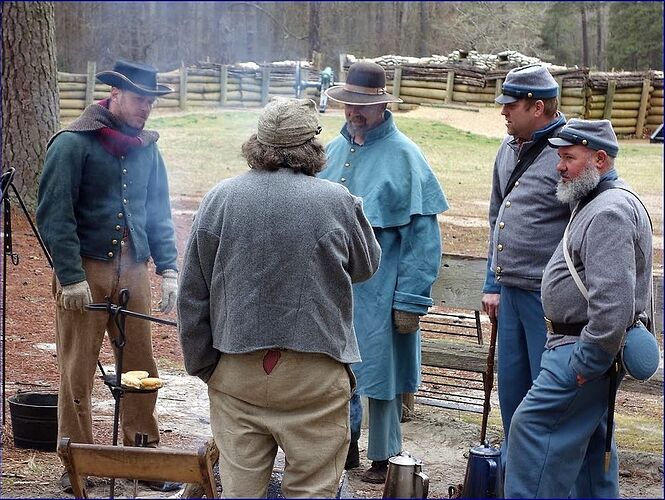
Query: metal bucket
x,y
35,420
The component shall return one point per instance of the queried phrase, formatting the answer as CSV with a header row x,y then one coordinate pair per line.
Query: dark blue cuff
x,y
491,285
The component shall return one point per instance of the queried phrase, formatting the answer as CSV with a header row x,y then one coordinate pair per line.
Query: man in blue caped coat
x,y
401,198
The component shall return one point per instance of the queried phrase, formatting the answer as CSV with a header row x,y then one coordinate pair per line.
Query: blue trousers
x,y
521,339
557,436
385,435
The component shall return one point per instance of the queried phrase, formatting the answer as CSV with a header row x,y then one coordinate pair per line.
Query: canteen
x,y
484,473
405,478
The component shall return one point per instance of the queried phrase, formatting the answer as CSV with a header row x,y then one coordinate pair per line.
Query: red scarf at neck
x,y
115,142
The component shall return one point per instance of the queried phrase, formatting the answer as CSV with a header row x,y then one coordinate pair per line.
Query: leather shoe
x,y
352,457
377,473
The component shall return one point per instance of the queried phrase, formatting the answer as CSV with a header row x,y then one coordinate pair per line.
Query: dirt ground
x,y
441,438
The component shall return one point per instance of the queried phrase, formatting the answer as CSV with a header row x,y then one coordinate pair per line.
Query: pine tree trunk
x,y
30,105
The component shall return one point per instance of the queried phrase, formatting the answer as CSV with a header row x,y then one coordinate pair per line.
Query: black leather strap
x,y
573,329
525,160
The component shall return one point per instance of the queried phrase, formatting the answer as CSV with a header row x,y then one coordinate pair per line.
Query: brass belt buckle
x,y
549,325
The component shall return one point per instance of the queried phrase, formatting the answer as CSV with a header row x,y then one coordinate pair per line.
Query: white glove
x,y
169,290
406,322
75,296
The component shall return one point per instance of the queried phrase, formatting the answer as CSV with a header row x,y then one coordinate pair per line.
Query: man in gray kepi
x,y
526,224
559,431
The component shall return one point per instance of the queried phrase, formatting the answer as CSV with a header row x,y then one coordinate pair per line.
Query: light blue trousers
x,y
385,435
521,339
557,436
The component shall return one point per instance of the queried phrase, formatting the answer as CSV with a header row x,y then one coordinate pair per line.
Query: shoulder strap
x,y
525,160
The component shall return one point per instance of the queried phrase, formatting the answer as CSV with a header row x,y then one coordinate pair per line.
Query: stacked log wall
x,y
632,101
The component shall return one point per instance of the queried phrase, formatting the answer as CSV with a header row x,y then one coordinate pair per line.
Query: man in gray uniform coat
x,y
558,433
526,224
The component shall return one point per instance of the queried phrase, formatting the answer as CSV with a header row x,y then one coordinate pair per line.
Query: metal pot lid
x,y
485,450
403,459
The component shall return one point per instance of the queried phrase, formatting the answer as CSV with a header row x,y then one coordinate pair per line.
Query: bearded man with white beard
x,y
558,435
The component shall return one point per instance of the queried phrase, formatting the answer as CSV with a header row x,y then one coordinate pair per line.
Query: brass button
x,y
110,254
529,95
347,164
498,278
584,141
498,269
124,186
517,183
499,247
507,204
353,150
124,171
114,242
119,215
343,179
124,201
502,225
118,228
122,242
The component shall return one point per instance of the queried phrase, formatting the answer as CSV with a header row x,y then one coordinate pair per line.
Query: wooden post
x,y
397,84
498,87
183,86
265,84
450,83
223,81
90,83
559,81
642,114
609,99
342,73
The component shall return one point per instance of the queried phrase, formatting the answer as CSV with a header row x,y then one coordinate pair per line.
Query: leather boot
x,y
377,473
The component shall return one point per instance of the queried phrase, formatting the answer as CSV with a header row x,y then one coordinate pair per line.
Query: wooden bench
x,y
148,464
454,352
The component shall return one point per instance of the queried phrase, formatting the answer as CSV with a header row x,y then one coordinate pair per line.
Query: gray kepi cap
x,y
532,81
594,134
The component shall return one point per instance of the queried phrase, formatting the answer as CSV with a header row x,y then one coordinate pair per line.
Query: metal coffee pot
x,y
405,478
484,473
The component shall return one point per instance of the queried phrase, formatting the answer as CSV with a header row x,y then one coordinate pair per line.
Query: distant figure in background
x,y
104,211
326,80
402,198
265,309
558,434
526,224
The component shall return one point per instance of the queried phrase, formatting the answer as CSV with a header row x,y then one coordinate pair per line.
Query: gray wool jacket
x,y
526,225
610,244
269,265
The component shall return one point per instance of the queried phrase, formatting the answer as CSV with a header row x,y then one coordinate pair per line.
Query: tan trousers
x,y
302,406
79,337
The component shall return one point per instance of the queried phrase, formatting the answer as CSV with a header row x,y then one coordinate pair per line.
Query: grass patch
x,y
202,148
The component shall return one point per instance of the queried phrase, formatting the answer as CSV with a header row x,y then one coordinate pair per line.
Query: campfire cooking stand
x,y
118,313
6,184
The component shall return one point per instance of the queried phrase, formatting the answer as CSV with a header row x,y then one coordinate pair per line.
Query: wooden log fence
x,y
632,101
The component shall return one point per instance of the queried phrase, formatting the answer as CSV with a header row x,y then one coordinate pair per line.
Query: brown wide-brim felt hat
x,y
365,85
135,77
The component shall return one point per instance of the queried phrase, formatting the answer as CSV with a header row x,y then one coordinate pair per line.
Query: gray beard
x,y
577,188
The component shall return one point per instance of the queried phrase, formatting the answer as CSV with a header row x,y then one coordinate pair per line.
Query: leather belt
x,y
573,329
